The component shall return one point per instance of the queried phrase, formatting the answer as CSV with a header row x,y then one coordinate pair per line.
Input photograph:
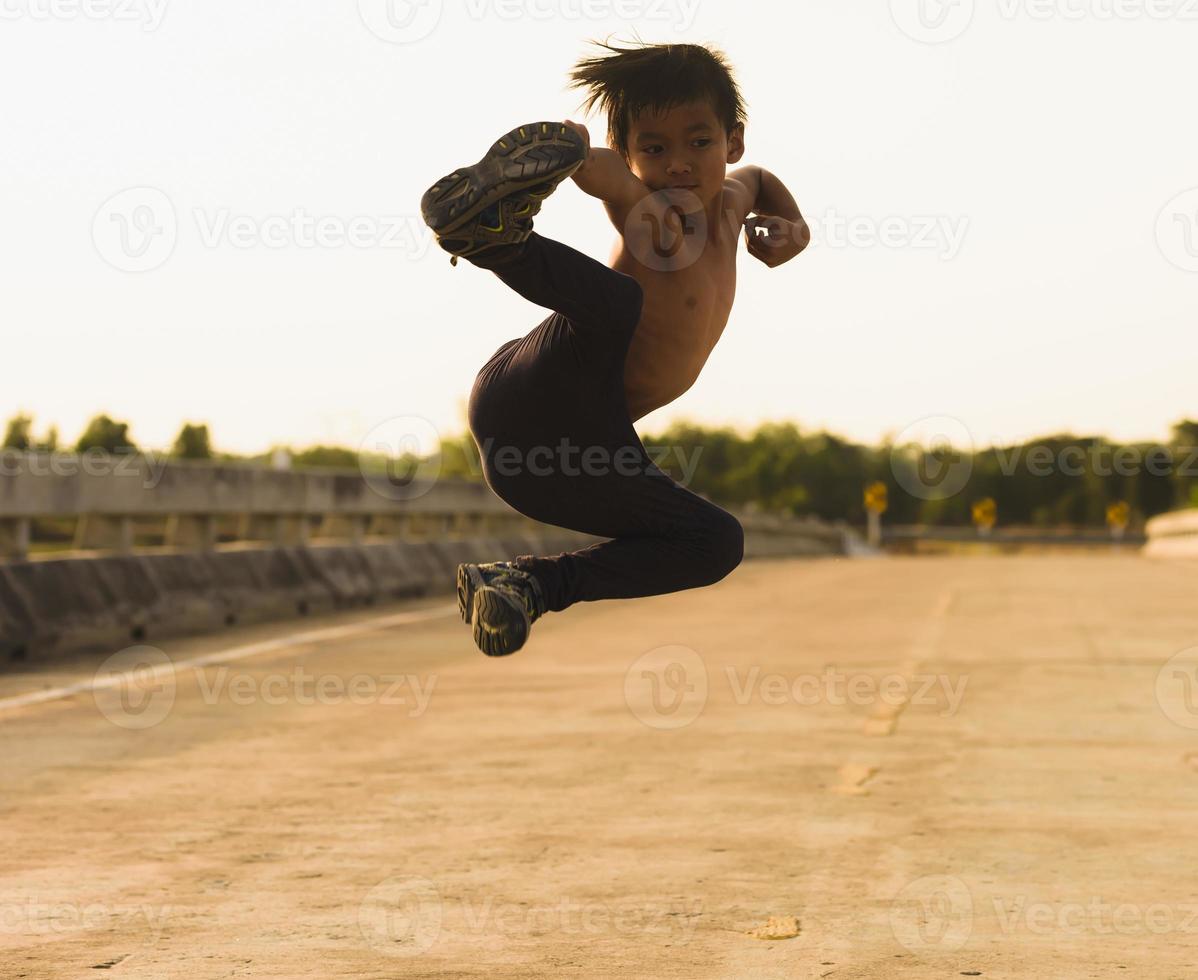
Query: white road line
x,y
232,653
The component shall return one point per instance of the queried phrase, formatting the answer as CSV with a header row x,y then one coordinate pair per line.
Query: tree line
x,y
1061,480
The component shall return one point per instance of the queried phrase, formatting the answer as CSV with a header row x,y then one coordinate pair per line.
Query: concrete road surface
x,y
929,767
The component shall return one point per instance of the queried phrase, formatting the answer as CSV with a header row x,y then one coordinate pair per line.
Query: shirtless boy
x,y
552,412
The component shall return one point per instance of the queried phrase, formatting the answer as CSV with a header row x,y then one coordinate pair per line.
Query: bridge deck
x,y
939,767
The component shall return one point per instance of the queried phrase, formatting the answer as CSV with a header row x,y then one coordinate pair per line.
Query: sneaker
x,y
501,602
492,202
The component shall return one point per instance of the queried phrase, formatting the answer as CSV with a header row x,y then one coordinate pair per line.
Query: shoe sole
x,y
470,579
527,157
500,623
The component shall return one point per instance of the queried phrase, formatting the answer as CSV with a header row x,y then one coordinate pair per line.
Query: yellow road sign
x,y
985,513
876,500
1118,514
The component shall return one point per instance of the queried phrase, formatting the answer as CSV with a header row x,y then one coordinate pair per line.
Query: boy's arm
x,y
787,233
605,175
766,194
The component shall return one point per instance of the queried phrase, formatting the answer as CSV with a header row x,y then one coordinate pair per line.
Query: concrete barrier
x,y
57,606
396,546
1173,535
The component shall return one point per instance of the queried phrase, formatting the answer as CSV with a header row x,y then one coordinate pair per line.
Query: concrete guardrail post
x,y
94,532
14,538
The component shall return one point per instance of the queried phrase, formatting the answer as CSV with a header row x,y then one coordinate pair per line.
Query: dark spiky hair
x,y
656,77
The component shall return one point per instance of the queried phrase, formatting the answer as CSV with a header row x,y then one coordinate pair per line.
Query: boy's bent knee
x,y
732,543
723,546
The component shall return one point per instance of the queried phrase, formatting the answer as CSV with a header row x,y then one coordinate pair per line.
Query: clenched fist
x,y
782,240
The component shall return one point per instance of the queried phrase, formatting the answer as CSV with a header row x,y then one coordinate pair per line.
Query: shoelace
x,y
522,582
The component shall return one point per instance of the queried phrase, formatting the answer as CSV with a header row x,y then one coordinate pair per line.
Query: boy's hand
x,y
581,130
782,241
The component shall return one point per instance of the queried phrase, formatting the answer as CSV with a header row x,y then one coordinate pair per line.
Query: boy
x,y
621,341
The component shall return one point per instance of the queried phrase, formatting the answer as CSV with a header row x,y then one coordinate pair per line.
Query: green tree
x,y
16,435
193,442
104,433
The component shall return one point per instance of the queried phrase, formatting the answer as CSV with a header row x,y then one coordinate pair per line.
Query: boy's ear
x,y
736,143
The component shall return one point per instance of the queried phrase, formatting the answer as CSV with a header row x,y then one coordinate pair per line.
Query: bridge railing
x,y
137,503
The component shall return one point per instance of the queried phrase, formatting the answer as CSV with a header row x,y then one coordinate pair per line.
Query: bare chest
x,y
683,317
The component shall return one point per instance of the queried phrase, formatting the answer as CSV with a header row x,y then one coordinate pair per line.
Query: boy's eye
x,y
655,147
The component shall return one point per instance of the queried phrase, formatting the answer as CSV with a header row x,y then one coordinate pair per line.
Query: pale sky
x,y
1002,230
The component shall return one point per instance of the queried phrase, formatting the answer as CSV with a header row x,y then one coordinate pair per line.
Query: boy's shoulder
x,y
741,187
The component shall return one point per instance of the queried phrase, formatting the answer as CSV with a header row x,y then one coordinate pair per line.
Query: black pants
x,y
551,422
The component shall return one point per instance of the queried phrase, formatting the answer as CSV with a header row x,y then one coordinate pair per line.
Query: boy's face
x,y
685,146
